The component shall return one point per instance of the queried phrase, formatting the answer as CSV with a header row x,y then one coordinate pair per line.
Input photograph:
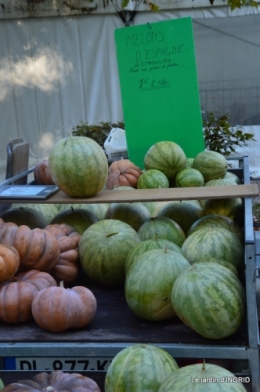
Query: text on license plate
x,y
65,363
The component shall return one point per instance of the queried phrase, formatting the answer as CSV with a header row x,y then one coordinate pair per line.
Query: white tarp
x,y
56,72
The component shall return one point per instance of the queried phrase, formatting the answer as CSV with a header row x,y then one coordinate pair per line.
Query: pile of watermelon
x,y
180,259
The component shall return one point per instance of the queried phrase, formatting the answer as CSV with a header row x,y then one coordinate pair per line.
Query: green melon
x,y
211,164
214,242
224,263
162,227
182,212
146,245
167,157
49,211
79,166
154,206
233,177
103,249
220,182
78,218
216,220
149,282
25,216
189,177
99,209
152,179
232,208
139,368
134,214
189,162
201,377
210,299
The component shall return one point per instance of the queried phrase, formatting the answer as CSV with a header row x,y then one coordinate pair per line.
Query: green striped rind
x,y
146,245
139,368
232,176
78,218
232,208
189,177
99,209
211,164
151,179
182,212
216,220
220,182
166,156
224,263
202,378
149,282
162,228
214,242
79,166
103,249
134,214
49,211
209,299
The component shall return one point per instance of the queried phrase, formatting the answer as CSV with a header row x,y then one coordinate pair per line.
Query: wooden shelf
x,y
139,195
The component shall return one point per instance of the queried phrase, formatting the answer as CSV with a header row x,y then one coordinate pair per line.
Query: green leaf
x,y
124,3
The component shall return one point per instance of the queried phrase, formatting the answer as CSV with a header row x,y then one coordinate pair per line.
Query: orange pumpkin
x,y
37,248
9,262
42,174
17,294
126,177
55,381
121,164
57,309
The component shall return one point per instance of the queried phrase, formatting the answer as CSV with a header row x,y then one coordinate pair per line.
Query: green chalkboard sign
x,y
159,87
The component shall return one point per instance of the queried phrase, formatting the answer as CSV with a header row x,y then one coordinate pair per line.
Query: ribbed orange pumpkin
x,y
54,382
37,248
121,164
126,177
42,173
17,294
57,309
9,262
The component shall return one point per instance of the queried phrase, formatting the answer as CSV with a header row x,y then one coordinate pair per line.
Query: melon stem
x,y
110,234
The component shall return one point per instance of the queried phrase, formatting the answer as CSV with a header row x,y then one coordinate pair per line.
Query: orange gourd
x,y
121,164
9,262
42,174
58,309
16,295
126,177
55,381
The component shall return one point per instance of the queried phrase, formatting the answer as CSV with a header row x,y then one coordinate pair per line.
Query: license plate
x,y
66,363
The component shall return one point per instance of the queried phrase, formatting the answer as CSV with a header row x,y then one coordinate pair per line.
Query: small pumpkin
x,y
55,381
9,262
37,248
125,177
58,309
16,295
42,174
121,164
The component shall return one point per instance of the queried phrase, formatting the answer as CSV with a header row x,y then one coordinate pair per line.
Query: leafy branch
x,y
221,137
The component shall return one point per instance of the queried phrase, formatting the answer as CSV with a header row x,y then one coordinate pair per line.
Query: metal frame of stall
x,y
249,353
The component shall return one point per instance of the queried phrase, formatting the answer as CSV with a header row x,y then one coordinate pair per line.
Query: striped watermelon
x,y
189,177
214,242
233,177
99,209
210,299
134,214
151,179
49,211
79,166
166,156
232,208
103,249
162,227
149,282
220,182
184,213
224,263
216,220
78,218
201,377
139,368
211,164
146,245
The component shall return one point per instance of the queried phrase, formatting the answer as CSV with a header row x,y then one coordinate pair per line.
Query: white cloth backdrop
x,y
56,72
